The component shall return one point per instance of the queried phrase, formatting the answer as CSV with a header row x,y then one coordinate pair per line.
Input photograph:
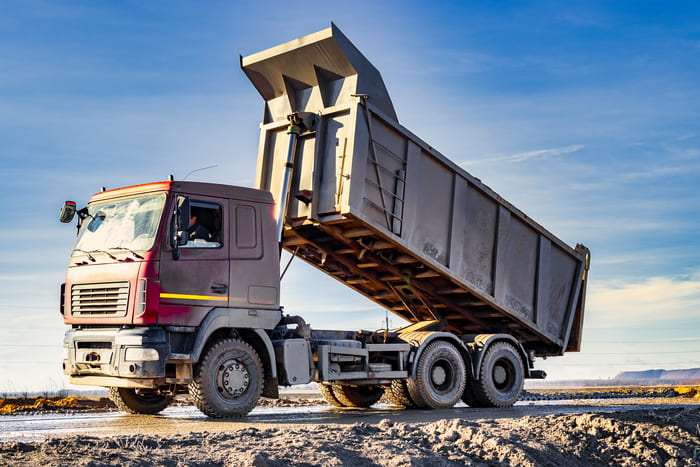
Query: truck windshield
x,y
128,223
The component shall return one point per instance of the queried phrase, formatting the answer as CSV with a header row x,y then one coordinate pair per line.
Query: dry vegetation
x,y
14,405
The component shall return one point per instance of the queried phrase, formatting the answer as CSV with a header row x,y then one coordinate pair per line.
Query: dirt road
x,y
630,431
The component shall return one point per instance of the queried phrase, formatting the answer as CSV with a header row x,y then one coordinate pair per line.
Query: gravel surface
x,y
667,437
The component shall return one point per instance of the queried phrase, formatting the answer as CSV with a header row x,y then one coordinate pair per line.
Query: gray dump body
x,y
380,210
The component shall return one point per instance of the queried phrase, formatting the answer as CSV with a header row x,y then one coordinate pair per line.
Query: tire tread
x,y
398,394
127,401
328,394
351,396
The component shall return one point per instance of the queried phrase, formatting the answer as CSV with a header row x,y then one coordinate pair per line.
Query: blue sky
x,y
584,115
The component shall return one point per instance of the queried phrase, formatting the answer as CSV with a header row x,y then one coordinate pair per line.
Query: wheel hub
x,y
233,378
499,375
439,375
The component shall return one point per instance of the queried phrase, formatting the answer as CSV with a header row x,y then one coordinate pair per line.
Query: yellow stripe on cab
x,y
193,297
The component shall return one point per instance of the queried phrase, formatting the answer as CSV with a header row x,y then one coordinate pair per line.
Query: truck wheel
x,y
328,394
229,380
398,394
440,377
131,401
357,396
500,378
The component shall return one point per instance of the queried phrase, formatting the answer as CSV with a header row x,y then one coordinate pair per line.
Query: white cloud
x,y
661,171
661,298
652,256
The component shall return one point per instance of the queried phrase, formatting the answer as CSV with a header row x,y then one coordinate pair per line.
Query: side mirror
x,y
182,237
67,212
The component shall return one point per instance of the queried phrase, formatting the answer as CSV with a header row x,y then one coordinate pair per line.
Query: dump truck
x,y
173,287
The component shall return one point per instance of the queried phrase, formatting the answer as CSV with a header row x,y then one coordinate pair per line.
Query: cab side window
x,y
205,226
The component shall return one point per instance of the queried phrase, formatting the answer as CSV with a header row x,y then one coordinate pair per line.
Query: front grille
x,y
106,299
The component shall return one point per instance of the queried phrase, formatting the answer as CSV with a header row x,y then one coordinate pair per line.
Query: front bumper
x,y
124,357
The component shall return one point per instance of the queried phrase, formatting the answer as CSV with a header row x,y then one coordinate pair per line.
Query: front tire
x,y
500,378
440,377
229,380
138,401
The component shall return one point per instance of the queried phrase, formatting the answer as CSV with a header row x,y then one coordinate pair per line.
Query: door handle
x,y
221,289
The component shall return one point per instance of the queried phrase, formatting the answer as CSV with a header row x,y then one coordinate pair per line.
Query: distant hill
x,y
661,375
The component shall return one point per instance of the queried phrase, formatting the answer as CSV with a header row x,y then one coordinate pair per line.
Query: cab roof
x,y
190,188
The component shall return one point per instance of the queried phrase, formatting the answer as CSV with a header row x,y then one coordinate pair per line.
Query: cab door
x,y
254,270
198,280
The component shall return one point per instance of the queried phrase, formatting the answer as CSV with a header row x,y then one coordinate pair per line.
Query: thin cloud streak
x,y
528,155
545,153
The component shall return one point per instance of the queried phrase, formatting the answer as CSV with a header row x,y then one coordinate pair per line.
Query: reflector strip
x,y
193,297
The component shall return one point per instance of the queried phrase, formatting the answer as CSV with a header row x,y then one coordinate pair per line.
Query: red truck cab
x,y
150,263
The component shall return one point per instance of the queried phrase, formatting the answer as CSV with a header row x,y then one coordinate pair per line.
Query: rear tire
x,y
357,396
440,377
328,394
500,378
142,402
229,380
398,394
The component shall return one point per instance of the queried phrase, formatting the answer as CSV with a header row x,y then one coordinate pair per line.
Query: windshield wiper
x,y
90,257
126,249
105,252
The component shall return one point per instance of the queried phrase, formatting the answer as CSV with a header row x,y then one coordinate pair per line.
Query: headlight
x,y
141,355
66,353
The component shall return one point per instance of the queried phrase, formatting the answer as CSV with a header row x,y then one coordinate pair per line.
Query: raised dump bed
x,y
380,210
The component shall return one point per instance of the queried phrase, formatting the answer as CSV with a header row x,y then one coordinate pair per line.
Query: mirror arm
x,y
174,240
82,215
